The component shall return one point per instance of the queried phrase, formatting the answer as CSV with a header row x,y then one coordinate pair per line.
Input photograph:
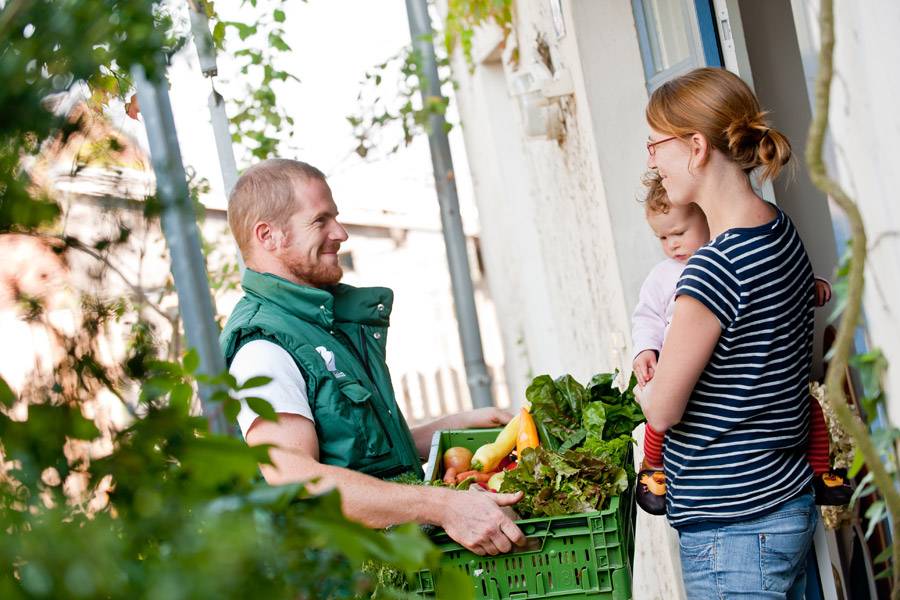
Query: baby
x,y
682,230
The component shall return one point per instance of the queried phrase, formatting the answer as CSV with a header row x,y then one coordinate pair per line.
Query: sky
x,y
334,42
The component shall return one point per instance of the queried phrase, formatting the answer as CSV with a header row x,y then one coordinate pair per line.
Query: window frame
x,y
702,37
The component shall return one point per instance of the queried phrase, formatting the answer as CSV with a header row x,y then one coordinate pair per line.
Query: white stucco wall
x,y
863,149
566,246
548,241
563,236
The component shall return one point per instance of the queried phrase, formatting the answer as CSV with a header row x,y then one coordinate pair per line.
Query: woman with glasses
x,y
729,391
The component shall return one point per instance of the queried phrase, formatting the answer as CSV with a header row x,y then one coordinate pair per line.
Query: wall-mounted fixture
x,y
538,92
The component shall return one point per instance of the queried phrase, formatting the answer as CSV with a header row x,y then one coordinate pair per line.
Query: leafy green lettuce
x,y
622,411
570,415
562,483
556,406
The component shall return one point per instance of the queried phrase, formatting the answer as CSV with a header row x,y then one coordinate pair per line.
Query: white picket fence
x,y
424,396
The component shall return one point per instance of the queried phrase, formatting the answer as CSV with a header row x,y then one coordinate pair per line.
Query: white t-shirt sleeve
x,y
287,390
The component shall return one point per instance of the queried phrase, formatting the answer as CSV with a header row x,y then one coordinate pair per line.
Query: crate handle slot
x,y
534,542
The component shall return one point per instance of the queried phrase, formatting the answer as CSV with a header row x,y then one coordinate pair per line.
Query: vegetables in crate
x,y
592,428
458,458
591,418
562,483
489,456
528,435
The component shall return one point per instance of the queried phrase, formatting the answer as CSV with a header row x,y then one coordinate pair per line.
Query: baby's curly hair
x,y
656,201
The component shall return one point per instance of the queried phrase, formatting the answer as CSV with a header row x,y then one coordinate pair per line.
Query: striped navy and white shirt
x,y
739,450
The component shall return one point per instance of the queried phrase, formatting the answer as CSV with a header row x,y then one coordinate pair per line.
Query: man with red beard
x,y
322,343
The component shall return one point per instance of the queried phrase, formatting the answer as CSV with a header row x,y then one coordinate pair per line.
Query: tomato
x,y
458,458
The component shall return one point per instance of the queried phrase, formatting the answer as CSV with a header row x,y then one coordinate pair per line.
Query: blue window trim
x,y
637,7
706,25
709,38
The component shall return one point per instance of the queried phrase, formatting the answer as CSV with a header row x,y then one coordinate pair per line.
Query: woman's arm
x,y
688,347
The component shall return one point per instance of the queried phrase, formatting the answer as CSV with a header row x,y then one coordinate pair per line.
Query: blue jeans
x,y
760,558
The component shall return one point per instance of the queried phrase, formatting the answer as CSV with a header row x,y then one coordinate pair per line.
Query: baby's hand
x,y
644,366
823,292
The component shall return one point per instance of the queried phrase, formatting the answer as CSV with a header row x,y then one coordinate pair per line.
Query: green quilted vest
x,y
357,419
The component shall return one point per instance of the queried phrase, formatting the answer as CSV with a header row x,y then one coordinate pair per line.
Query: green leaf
x,y
218,34
262,408
7,396
572,392
876,512
884,555
217,460
278,15
278,43
453,584
255,382
858,461
593,419
232,407
563,483
181,396
191,361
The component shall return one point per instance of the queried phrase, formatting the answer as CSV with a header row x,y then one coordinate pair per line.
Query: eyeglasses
x,y
651,146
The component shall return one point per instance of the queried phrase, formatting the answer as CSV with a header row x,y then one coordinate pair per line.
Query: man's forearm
x,y
365,499
470,419
422,434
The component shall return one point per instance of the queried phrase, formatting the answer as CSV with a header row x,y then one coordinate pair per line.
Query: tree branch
x,y
835,379
137,291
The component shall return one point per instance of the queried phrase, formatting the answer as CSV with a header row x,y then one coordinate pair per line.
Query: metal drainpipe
x,y
206,52
179,226
477,377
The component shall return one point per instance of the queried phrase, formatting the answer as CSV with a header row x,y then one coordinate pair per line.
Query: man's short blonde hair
x,y
266,192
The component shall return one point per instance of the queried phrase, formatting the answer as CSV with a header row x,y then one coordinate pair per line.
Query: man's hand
x,y
644,366
481,418
474,519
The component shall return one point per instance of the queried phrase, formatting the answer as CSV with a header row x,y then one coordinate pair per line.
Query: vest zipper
x,y
365,363
365,351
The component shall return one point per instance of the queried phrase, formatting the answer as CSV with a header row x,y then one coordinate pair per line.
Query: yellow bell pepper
x,y
489,456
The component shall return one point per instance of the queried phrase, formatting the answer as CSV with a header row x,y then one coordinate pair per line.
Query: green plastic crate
x,y
586,555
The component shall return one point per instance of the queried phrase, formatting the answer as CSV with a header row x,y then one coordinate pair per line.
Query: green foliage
x,y
173,511
391,110
870,369
463,16
591,426
161,508
256,117
46,47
